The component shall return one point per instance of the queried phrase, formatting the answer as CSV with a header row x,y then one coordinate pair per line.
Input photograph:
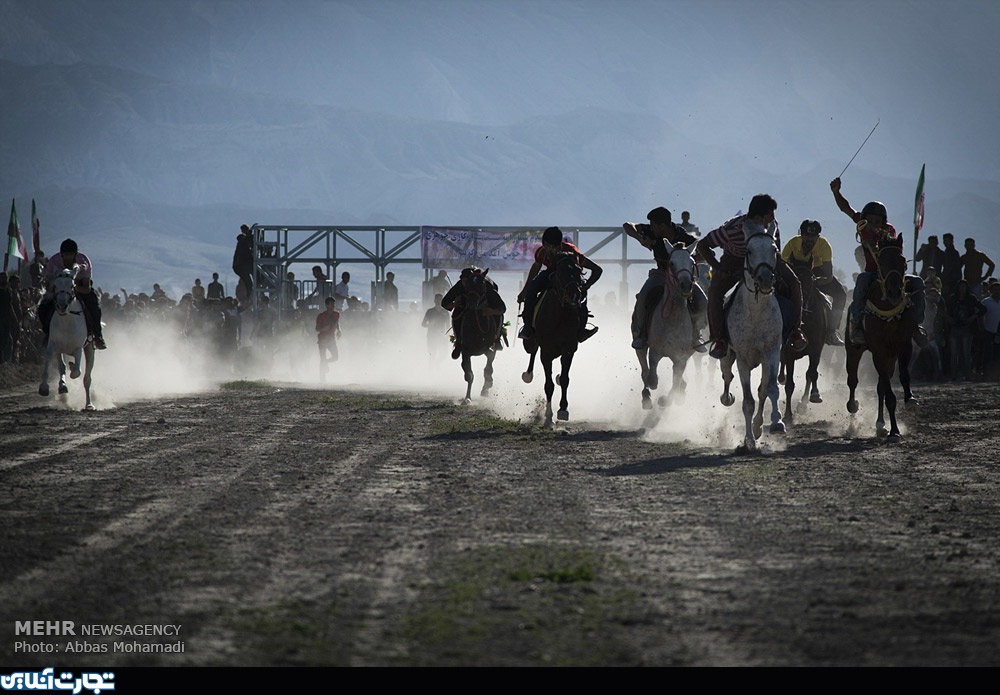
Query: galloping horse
x,y
670,331
557,325
888,322
816,307
68,336
754,324
478,326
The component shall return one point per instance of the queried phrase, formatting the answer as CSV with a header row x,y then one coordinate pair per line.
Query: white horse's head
x,y
682,268
762,256
64,288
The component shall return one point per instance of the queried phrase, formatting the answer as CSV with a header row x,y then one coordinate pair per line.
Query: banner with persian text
x,y
454,248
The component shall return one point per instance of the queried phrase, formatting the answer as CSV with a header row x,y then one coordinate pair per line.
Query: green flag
x,y
15,245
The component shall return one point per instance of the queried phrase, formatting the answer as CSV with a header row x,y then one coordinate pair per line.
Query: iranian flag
x,y
15,245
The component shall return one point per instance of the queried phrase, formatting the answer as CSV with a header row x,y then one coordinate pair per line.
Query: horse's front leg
x,y
679,387
853,362
904,375
550,388
812,381
488,373
469,376
43,387
647,401
566,362
726,366
749,440
529,374
770,379
788,365
62,375
87,378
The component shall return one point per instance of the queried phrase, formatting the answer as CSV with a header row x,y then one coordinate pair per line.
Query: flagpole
x,y
918,214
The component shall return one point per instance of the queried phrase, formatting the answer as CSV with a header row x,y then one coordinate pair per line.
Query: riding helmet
x,y
68,246
552,235
875,208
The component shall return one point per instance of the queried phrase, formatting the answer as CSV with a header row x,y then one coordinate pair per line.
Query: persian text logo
x,y
46,680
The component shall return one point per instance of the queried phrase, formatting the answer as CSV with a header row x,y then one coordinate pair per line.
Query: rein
x,y
753,272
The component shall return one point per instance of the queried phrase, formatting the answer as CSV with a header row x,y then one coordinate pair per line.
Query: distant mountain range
x,y
153,174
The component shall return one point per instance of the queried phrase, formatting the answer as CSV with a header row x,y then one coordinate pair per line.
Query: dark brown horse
x,y
888,322
815,318
478,327
557,326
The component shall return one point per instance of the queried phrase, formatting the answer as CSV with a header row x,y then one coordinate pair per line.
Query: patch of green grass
x,y
523,605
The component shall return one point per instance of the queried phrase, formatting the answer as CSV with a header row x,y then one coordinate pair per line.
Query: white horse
x,y
755,336
671,333
68,336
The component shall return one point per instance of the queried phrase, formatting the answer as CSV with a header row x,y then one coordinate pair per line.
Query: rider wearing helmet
x,y
538,280
810,247
875,233
67,257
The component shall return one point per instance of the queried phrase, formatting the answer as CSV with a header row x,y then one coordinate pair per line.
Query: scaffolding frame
x,y
277,247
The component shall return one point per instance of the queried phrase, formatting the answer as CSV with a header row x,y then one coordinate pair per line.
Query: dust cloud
x,y
388,352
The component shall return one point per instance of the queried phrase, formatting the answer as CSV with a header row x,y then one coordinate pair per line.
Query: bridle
x,y
676,276
754,270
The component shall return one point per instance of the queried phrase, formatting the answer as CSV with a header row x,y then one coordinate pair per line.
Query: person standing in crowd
x,y
991,332
342,292
964,310
67,257
687,226
390,293
930,255
8,320
436,321
973,262
327,332
951,266
198,291
289,293
322,290
440,283
215,288
243,257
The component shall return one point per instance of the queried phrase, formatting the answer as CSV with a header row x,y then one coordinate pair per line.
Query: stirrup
x,y
586,333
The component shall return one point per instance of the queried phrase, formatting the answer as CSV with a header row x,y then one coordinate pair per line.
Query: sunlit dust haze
x,y
389,353
149,131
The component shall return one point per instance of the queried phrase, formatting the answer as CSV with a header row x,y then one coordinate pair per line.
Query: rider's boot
x,y
920,336
99,342
586,333
456,352
797,340
855,334
639,342
833,337
719,349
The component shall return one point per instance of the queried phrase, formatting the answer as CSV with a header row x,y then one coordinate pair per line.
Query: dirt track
x,y
283,525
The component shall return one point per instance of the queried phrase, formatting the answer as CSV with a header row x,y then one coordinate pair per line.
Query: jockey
x,y
538,280
454,300
726,272
874,233
655,236
810,247
67,257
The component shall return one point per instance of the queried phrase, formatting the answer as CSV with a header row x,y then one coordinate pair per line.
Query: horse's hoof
x,y
90,406
43,390
63,388
526,377
815,398
466,401
912,403
852,407
74,371
485,393
653,382
728,399
894,438
778,428
647,404
562,415
663,401
758,430
781,378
